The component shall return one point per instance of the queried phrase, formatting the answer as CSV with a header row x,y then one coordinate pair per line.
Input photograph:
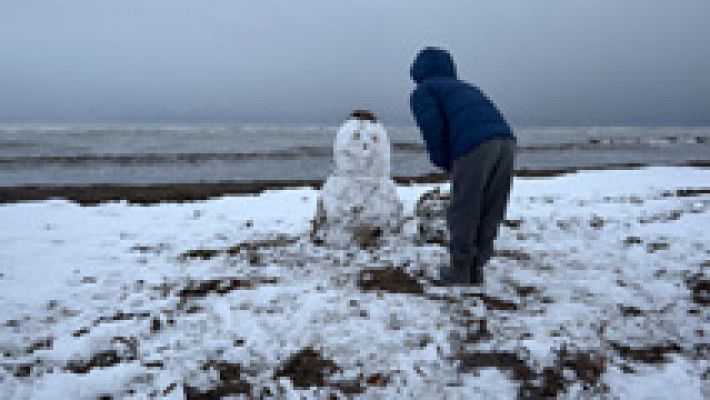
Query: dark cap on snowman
x,y
363,115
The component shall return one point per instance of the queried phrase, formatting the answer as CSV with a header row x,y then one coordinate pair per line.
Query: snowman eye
x,y
356,135
375,138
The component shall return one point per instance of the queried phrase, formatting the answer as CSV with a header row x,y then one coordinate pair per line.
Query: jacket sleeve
x,y
431,123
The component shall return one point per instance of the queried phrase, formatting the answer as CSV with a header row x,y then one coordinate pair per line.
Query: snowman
x,y
359,203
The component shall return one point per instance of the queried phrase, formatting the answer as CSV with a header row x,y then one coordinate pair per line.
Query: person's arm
x,y
431,123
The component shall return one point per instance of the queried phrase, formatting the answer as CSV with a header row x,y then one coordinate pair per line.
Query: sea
x,y
145,154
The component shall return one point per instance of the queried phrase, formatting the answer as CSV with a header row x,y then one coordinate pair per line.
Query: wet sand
x,y
186,192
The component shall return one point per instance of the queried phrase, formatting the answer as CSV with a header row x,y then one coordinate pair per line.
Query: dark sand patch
x,y
586,367
200,289
230,382
248,247
392,280
107,358
654,354
700,289
94,194
307,368
697,164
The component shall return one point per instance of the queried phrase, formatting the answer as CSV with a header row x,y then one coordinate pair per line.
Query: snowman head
x,y
362,147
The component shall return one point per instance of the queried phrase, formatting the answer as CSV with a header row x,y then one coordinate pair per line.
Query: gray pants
x,y
480,188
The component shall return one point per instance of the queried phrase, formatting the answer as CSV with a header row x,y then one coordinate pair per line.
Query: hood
x,y
432,62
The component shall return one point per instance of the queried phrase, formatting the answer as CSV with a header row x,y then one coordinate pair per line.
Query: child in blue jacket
x,y
468,137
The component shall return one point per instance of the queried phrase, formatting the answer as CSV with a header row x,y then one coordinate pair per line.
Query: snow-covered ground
x,y
599,289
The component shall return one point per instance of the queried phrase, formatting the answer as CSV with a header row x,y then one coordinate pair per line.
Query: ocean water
x,y
83,154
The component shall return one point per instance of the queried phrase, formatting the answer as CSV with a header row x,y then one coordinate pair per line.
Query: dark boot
x,y
459,273
478,266
476,275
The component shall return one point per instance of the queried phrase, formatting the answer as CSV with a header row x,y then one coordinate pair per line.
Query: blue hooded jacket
x,y
453,116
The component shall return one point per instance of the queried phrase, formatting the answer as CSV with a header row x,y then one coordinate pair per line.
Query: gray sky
x,y
544,62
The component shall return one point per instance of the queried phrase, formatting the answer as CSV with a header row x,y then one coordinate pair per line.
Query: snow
x,y
599,265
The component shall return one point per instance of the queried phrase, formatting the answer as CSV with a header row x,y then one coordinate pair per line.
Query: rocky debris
x,y
42,344
700,289
587,366
505,361
153,364
653,354
367,237
512,254
122,316
497,304
318,224
102,359
157,249
21,370
657,246
632,240
118,316
491,302
525,290
513,224
12,323
477,331
248,247
307,368
155,325
664,217
264,244
199,289
692,192
230,383
597,222
551,381
431,211
392,280
80,332
202,254
360,385
630,311
123,350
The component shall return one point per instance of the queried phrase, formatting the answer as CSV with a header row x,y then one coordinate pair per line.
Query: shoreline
x,y
95,194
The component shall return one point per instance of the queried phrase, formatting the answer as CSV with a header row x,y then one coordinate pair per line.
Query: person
x,y
468,137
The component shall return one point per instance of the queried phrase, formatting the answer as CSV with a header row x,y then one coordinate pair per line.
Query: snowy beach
x,y
599,288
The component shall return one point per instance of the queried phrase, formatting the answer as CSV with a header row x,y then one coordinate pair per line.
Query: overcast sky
x,y
544,62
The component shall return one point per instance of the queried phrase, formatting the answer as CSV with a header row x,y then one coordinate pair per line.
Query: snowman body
x,y
359,202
